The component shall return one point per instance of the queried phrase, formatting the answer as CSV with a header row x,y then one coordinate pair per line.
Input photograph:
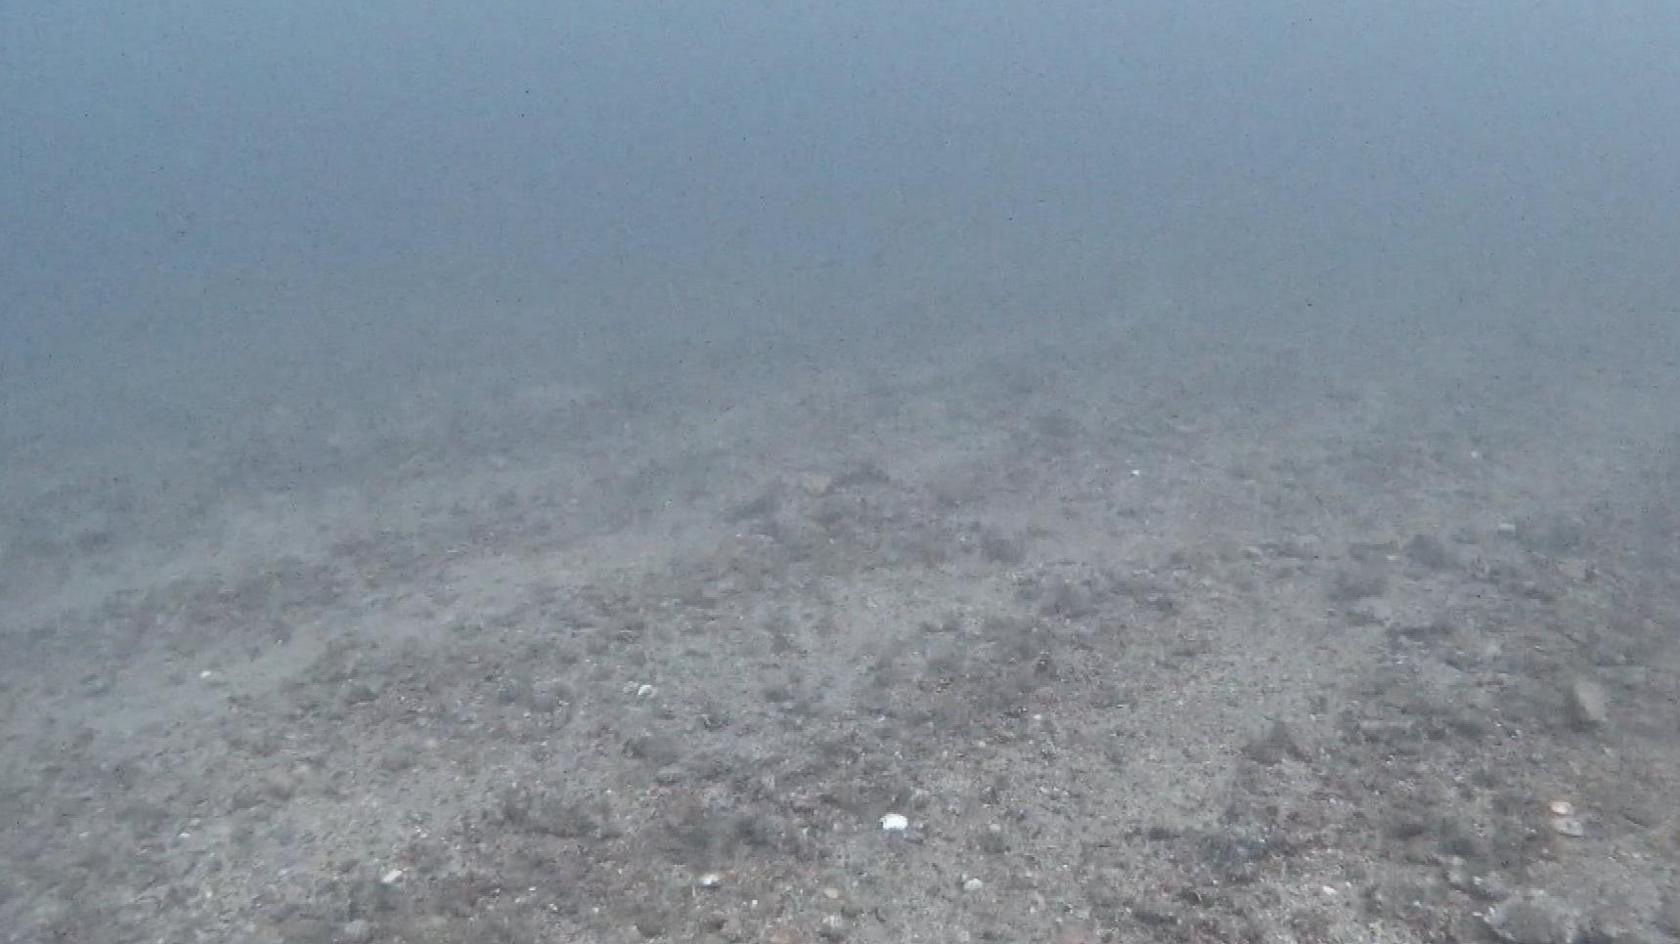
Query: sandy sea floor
x,y
1148,633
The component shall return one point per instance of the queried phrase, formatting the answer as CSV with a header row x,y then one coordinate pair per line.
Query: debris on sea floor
x,y
1535,917
1561,817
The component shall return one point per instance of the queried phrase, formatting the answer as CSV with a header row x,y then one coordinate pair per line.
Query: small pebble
x,y
1588,704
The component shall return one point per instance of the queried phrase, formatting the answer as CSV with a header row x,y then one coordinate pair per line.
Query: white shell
x,y
894,823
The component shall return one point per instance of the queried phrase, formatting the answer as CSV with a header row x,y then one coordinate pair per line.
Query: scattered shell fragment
x,y
973,885
392,877
894,823
710,880
1561,808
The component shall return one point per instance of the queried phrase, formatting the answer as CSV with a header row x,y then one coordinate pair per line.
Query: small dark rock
x,y
650,923
1235,855
1371,612
1431,552
1273,746
1000,548
1588,705
1535,918
1434,630
1372,552
1668,916
1352,584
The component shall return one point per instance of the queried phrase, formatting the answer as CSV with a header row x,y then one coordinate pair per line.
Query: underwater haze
x,y
859,472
